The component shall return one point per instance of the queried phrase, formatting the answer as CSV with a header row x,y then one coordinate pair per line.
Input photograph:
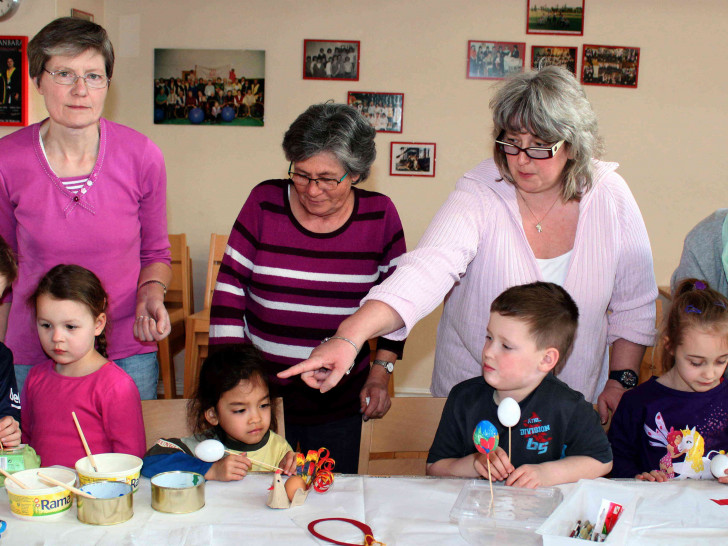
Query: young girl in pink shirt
x,y
70,305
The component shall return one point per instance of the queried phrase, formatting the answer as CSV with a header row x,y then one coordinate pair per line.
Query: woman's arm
x,y
625,356
152,320
376,389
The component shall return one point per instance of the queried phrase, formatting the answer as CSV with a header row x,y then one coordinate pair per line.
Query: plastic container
x,y
114,503
583,504
113,467
178,492
42,502
512,517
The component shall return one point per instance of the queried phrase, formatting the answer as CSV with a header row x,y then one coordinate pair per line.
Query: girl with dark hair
x,y
70,310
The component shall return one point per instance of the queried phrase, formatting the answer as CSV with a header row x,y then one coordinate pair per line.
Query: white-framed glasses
x,y
66,77
302,181
534,152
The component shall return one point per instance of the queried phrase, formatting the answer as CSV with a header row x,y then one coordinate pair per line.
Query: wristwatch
x,y
388,366
626,378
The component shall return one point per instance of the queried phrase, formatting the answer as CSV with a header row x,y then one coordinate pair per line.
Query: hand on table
x,y
656,476
500,466
530,476
230,468
9,432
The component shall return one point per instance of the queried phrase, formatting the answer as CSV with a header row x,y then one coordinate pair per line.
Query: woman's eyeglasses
x,y
534,152
66,77
302,181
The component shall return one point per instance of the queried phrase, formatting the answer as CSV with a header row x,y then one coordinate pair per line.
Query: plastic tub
x,y
42,502
113,467
512,517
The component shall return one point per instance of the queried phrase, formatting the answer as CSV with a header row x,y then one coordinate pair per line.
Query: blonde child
x,y
9,395
70,307
559,438
671,426
232,405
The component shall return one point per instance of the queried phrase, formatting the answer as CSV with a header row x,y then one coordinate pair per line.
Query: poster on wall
x,y
412,159
331,60
555,17
613,66
495,60
209,87
78,14
383,110
13,80
554,55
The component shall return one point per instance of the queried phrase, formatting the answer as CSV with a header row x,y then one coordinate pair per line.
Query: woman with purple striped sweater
x,y
541,210
302,254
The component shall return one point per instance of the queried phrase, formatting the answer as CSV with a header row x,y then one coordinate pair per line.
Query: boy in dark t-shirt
x,y
559,438
9,395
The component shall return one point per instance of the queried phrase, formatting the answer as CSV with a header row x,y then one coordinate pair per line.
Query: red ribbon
x,y
363,527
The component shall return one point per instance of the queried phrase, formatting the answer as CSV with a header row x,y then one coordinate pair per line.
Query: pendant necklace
x,y
539,228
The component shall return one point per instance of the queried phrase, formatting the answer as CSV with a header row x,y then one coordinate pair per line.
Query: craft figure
x,y
314,471
485,437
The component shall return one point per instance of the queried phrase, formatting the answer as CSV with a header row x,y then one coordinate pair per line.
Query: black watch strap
x,y
626,378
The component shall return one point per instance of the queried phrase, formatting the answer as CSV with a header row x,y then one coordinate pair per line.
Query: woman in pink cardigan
x,y
79,189
541,209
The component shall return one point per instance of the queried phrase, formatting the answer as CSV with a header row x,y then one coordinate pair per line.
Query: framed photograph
x,y
78,14
555,17
554,55
495,60
383,110
209,87
331,60
412,159
613,66
13,80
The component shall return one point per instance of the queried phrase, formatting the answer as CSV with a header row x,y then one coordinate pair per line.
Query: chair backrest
x,y
398,443
218,243
179,291
168,419
650,362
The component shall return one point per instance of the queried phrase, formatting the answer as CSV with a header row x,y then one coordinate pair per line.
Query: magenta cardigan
x,y
114,228
475,248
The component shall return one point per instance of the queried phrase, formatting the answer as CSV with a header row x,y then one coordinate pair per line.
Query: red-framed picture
x,y
554,55
555,17
614,66
412,159
331,60
494,60
78,14
384,111
13,80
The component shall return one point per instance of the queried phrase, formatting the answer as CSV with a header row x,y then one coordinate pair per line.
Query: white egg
x,y
509,412
210,450
718,465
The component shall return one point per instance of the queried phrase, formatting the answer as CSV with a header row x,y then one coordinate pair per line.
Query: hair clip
x,y
692,309
699,285
720,304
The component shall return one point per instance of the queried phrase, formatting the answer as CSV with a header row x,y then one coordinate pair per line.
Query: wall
x,y
665,134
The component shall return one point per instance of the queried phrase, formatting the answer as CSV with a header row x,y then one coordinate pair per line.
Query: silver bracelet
x,y
152,281
352,344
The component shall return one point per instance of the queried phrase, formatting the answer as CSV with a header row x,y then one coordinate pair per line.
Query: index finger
x,y
305,366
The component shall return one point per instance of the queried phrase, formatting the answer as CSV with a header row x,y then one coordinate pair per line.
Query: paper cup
x,y
42,502
113,467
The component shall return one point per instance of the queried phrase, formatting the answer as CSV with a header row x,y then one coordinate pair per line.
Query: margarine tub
x,y
41,501
112,467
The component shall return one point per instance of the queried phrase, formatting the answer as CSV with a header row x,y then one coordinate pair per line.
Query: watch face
x,y
627,378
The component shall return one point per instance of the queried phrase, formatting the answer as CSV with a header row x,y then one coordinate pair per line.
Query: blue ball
x,y
159,115
228,113
196,116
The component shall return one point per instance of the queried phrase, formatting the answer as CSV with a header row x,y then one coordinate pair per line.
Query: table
x,y
401,511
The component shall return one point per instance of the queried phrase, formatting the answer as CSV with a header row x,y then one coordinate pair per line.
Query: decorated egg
x,y
718,465
509,412
210,450
293,484
485,437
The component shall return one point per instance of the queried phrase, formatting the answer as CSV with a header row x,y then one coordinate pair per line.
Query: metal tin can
x,y
178,492
114,503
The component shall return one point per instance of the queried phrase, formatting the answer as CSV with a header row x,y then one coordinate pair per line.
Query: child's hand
x,y
230,468
288,463
500,466
655,476
530,476
9,431
724,479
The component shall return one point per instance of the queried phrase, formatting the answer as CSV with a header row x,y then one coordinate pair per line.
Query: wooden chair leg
x,y
166,369
190,359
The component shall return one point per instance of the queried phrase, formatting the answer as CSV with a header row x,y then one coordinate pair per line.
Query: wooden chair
x,y
398,443
198,324
650,362
179,305
168,419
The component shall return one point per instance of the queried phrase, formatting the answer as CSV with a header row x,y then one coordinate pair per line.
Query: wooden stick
x,y
490,480
85,445
509,444
65,486
261,463
13,479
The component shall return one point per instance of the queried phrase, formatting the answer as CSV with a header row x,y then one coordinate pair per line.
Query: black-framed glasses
x,y
302,181
66,77
534,152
